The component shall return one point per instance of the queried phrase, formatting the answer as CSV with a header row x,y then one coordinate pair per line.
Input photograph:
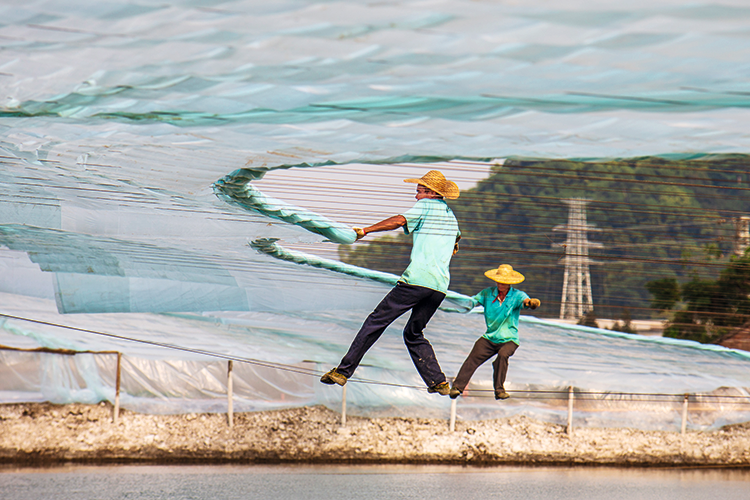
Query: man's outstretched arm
x,y
388,224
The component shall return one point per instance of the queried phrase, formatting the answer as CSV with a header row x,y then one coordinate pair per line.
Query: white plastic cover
x,y
120,118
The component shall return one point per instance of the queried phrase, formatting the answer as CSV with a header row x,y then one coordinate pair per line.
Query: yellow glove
x,y
533,303
360,232
455,248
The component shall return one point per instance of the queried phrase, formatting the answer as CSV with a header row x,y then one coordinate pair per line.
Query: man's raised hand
x,y
532,303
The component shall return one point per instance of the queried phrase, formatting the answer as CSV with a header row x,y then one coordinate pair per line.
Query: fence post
x,y
684,414
453,415
343,407
116,409
570,409
230,409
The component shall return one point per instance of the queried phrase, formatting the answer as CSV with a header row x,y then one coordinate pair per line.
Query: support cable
x,y
317,373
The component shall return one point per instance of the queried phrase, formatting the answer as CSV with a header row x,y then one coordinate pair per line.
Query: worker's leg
x,y
482,351
500,365
397,302
421,351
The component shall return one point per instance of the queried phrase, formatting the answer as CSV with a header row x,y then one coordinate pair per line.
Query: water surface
x,y
368,482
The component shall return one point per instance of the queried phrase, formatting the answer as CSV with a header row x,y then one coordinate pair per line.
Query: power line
x,y
631,174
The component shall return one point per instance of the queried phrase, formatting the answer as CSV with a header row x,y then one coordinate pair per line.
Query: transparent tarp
x,y
617,379
129,133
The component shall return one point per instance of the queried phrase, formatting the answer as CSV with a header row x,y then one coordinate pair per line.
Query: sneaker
x,y
442,388
454,393
333,377
502,395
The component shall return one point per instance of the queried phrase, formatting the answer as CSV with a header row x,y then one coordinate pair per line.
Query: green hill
x,y
655,217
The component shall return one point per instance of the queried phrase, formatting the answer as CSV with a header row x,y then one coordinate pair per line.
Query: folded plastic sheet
x,y
237,188
455,302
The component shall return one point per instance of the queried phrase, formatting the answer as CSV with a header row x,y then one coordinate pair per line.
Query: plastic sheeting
x,y
454,302
279,358
166,386
123,121
341,81
237,188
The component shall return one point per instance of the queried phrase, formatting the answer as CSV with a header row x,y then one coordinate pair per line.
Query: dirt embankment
x,y
45,433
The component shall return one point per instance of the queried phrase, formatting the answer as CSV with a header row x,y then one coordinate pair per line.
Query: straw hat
x,y
505,274
435,180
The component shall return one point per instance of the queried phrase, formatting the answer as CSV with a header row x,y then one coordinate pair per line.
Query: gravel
x,y
42,433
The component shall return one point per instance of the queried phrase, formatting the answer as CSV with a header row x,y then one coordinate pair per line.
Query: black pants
x,y
482,351
423,303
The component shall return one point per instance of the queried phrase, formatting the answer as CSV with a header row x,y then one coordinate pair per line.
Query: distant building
x,y
741,235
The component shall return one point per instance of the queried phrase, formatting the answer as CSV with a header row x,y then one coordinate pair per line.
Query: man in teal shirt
x,y
422,286
502,306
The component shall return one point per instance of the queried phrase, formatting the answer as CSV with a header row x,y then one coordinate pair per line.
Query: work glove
x,y
360,232
532,303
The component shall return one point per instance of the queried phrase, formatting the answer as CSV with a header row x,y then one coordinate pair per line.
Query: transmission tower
x,y
741,235
576,295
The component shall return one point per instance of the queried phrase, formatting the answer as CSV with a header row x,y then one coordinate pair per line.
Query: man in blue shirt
x,y
422,286
502,306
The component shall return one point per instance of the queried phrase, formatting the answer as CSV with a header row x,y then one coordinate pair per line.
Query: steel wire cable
x,y
648,229
668,164
621,259
710,186
288,184
301,195
513,169
266,364
686,164
525,251
317,373
643,177
675,165
280,277
386,189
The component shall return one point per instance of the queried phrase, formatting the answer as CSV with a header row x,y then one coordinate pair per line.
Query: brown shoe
x,y
442,388
502,395
333,377
454,393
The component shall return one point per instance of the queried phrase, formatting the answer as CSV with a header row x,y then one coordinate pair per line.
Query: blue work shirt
x,y
501,317
434,230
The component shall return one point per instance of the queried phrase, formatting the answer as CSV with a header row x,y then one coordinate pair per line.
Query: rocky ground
x,y
45,433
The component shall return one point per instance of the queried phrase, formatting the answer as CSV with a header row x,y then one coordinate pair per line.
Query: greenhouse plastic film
x,y
133,193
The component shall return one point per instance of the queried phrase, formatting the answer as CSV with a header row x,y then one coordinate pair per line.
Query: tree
x,y
711,308
666,292
647,231
588,319
388,253
626,326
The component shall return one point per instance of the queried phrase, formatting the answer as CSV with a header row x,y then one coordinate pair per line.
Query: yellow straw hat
x,y
505,274
435,180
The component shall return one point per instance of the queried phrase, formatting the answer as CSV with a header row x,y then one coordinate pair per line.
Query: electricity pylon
x,y
576,295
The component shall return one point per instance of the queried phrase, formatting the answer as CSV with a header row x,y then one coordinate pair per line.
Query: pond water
x,y
248,482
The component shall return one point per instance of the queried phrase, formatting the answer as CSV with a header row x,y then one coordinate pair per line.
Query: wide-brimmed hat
x,y
505,274
435,180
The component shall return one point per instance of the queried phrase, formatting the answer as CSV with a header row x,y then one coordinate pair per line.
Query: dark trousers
x,y
423,303
482,351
